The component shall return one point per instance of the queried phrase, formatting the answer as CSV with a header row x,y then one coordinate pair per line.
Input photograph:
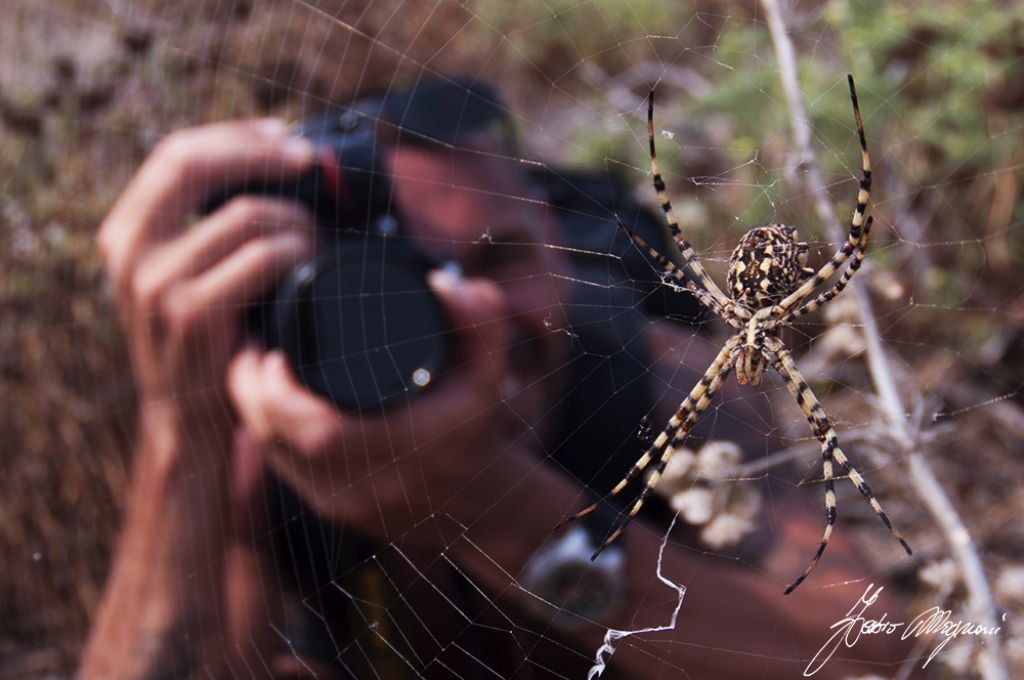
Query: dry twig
x,y
920,475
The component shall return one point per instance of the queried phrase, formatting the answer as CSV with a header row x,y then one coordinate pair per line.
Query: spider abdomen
x,y
767,264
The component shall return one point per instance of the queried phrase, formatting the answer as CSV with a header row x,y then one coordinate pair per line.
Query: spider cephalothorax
x,y
767,265
769,287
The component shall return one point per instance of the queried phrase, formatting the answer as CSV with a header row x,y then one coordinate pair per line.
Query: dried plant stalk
x,y
922,478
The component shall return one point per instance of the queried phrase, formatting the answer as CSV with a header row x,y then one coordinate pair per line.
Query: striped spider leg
x,y
726,309
669,440
690,260
857,241
826,295
831,453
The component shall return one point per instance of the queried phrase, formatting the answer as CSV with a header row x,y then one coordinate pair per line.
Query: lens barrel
x,y
359,324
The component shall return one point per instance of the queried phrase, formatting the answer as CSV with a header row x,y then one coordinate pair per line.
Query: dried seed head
x,y
698,487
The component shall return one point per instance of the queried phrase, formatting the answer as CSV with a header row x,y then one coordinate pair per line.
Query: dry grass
x,y
83,94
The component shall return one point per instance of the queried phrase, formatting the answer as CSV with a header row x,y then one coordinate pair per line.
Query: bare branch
x,y
796,452
921,477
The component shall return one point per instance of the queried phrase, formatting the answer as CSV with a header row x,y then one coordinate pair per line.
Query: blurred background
x,y
88,86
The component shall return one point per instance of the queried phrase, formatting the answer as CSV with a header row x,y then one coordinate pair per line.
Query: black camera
x,y
358,322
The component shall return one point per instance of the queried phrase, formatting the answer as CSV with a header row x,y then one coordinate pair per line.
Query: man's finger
x,y
276,406
244,382
184,169
471,389
243,276
476,312
244,219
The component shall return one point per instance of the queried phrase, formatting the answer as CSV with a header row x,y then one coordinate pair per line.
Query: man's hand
x,y
383,473
181,290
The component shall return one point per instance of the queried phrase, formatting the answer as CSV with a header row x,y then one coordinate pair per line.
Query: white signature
x,y
931,621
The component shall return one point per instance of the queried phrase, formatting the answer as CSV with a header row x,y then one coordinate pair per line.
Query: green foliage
x,y
940,69
537,28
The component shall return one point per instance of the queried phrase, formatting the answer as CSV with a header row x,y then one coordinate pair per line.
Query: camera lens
x,y
360,325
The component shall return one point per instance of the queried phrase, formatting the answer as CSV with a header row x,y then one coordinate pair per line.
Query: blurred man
x,y
270,532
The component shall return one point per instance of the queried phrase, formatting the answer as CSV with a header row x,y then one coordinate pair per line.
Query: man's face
x,y
478,209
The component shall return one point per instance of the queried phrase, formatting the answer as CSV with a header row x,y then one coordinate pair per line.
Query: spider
x,y
769,286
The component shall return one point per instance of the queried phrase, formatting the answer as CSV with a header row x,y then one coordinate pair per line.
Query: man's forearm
x,y
161,613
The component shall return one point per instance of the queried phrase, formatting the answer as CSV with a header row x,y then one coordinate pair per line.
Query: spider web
x,y
88,88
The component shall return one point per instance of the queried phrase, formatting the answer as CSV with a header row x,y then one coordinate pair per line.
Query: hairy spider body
x,y
767,264
769,286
